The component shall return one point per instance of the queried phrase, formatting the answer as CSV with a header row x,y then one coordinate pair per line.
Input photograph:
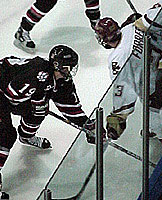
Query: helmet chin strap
x,y
60,74
67,76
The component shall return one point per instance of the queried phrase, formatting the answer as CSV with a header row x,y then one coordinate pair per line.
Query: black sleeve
x,y
67,102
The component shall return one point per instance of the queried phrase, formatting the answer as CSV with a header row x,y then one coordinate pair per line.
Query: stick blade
x,y
70,198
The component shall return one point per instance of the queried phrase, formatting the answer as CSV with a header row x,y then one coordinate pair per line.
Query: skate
x,y
42,143
23,41
3,195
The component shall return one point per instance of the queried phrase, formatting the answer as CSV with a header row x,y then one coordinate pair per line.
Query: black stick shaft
x,y
116,146
131,6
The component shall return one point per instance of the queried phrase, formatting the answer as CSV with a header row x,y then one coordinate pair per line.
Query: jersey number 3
x,y
119,90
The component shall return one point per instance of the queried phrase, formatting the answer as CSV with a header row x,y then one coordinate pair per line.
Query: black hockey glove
x,y
91,135
40,109
116,124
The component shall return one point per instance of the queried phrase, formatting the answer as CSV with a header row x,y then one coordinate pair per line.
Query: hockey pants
x,y
29,124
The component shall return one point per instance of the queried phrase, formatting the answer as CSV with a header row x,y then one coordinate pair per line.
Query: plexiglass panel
x,y
122,161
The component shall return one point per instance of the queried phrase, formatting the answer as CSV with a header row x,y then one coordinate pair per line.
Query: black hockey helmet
x,y
107,30
65,60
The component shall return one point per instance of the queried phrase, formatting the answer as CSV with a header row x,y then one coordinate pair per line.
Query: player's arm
x,y
152,17
131,19
68,103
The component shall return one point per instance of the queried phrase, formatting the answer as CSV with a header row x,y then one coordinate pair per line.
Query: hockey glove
x,y
40,109
91,135
116,124
132,18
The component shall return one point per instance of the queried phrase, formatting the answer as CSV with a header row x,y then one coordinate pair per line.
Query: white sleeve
x,y
153,14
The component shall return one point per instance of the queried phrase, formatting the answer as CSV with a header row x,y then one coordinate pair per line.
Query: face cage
x,y
70,73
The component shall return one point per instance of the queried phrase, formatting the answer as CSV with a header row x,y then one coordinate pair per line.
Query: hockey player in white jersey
x,y
127,58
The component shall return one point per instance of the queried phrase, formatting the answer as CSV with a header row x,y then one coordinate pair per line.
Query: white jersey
x,y
152,20
127,59
131,45
126,62
153,17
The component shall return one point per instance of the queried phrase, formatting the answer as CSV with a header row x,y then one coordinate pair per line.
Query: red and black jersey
x,y
67,101
26,80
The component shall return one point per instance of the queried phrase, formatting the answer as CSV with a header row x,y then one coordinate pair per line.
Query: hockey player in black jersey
x,y
26,86
37,11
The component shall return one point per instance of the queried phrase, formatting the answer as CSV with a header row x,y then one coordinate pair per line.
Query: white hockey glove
x,y
116,124
40,109
91,135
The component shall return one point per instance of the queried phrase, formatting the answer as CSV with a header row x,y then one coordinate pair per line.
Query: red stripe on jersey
x,y
8,63
28,129
32,19
15,99
92,5
3,159
71,110
3,155
36,13
9,91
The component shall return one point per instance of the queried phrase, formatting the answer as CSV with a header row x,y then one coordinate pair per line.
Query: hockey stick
x,y
92,170
79,194
116,146
131,6
88,178
64,120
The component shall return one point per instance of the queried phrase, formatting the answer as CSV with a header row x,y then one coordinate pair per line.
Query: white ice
x,y
27,170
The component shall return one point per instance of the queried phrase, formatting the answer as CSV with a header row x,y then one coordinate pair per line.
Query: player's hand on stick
x,y
116,124
91,134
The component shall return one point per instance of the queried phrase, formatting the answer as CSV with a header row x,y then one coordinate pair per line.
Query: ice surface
x,y
28,169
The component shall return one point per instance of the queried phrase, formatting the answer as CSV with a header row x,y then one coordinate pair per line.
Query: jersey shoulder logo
x,y
42,76
115,67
